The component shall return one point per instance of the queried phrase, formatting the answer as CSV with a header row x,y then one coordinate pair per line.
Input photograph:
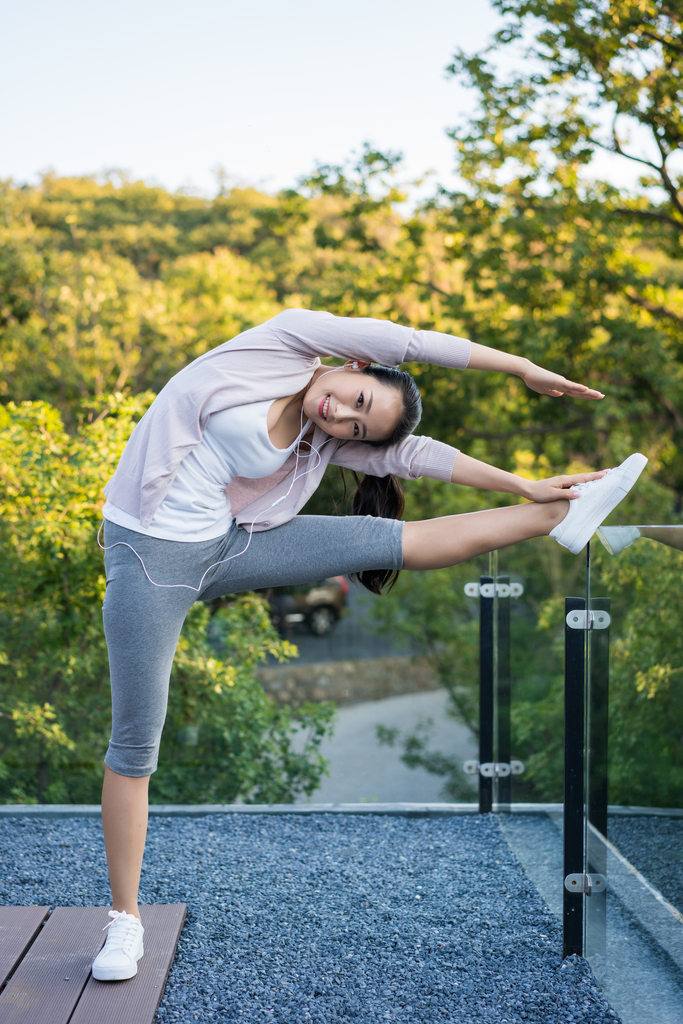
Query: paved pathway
x,y
362,770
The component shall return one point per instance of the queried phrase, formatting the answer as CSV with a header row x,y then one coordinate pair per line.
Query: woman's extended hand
x,y
559,487
473,473
554,384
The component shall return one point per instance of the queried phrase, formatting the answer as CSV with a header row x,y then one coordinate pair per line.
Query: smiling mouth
x,y
324,407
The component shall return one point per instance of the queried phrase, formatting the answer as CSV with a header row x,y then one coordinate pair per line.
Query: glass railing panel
x,y
634,724
597,731
540,574
381,682
546,574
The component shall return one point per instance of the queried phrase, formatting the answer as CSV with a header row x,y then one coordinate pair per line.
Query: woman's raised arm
x,y
381,341
535,377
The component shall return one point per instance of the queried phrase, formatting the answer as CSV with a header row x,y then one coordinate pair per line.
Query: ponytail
x,y
384,496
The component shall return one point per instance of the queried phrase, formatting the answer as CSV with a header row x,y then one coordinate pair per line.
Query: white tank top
x,y
235,443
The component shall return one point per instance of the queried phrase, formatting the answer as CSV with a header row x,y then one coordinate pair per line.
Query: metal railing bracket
x,y
581,619
584,883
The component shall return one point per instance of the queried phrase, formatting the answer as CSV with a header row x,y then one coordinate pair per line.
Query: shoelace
x,y
588,484
125,921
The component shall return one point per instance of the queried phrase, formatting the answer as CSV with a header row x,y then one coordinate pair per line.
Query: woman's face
x,y
350,404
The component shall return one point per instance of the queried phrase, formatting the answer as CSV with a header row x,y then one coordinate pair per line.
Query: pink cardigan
x,y
271,361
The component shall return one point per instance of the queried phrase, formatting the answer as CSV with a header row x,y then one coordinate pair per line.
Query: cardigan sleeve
x,y
413,458
314,333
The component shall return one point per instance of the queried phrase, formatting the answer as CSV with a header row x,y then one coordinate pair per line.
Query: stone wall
x,y
347,682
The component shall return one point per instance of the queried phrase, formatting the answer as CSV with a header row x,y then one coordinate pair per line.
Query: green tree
x,y
555,265
82,321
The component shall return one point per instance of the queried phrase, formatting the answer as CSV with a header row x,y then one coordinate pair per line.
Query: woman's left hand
x,y
554,384
556,488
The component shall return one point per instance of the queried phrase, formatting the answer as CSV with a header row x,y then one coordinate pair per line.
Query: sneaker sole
x,y
626,475
117,973
612,538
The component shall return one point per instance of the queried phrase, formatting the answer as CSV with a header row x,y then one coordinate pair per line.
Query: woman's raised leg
x,y
438,543
124,822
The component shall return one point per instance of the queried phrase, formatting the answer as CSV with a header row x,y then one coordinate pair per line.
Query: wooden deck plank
x,y
49,980
135,1001
18,928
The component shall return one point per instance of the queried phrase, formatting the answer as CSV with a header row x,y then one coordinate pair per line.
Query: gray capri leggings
x,y
142,622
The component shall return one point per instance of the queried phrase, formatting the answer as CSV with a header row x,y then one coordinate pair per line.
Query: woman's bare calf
x,y
438,543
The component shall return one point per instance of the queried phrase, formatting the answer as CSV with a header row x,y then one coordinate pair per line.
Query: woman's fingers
x,y
555,385
579,391
582,478
579,478
559,487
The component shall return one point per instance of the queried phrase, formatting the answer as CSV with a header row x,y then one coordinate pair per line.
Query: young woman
x,y
205,498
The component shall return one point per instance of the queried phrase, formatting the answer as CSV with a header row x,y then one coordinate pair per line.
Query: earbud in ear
x,y
354,364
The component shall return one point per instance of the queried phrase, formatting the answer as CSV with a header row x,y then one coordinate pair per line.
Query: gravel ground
x,y
654,846
330,918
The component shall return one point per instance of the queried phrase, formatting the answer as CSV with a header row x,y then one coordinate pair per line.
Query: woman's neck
x,y
285,419
285,416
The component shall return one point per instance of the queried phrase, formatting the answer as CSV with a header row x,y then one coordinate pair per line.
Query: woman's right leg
x,y
439,543
142,625
124,822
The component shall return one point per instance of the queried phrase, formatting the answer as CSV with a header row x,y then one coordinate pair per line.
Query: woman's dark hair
x,y
383,496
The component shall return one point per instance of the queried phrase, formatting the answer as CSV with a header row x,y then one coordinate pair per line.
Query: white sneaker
x,y
118,958
616,538
598,498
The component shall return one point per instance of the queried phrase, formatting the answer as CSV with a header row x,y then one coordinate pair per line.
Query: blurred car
x,y
317,605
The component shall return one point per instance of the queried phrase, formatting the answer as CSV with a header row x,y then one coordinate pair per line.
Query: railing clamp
x,y
581,619
587,884
489,769
494,589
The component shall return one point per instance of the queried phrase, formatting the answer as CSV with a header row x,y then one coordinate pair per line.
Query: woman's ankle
x,y
128,908
557,511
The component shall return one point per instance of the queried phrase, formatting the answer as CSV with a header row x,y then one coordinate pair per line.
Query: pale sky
x,y
169,90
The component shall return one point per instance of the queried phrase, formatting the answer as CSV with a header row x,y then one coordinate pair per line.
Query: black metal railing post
x,y
486,691
574,698
503,789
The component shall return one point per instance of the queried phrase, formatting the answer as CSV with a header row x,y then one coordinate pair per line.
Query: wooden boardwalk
x,y
45,964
